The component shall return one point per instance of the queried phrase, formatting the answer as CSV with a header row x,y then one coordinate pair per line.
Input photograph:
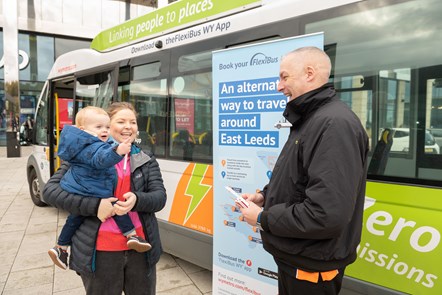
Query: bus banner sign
x,y
170,18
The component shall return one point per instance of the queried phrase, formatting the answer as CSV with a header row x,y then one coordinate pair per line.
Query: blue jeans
x,y
73,222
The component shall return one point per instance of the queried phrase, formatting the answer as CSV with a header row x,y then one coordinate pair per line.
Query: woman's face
x,y
123,125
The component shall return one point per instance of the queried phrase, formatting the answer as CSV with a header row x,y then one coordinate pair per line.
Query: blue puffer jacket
x,y
146,184
92,171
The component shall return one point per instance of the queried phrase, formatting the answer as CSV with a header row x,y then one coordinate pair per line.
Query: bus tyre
x,y
34,189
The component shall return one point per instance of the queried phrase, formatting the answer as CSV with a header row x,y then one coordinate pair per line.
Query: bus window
x,y
360,102
195,61
41,123
429,113
96,89
191,107
433,115
191,119
63,90
147,71
392,79
150,100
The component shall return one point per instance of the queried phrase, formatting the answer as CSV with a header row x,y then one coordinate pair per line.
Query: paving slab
x,y
28,231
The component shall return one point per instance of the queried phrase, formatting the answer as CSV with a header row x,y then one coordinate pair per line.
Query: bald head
x,y
303,70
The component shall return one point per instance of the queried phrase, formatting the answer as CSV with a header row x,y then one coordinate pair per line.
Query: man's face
x,y
291,78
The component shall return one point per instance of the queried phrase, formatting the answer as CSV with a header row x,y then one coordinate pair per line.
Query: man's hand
x,y
250,214
123,207
105,209
256,198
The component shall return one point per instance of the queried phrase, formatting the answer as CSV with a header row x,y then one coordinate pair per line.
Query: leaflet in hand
x,y
238,198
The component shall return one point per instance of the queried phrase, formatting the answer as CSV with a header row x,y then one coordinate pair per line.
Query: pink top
x,y
110,237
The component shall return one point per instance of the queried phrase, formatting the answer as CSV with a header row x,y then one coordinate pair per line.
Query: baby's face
x,y
98,126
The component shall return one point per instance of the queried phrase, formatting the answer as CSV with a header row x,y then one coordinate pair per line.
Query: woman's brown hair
x,y
118,106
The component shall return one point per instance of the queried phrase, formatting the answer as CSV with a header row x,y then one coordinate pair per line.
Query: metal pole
x,y
12,89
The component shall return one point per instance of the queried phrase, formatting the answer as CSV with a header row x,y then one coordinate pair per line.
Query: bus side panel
x,y
400,246
189,189
186,222
40,155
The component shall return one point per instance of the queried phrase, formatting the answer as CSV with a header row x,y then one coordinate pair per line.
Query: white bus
x,y
387,65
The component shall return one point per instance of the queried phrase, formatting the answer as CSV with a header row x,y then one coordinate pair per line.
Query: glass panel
x,y
362,45
63,45
349,82
361,104
36,56
41,123
96,90
394,109
2,71
433,124
147,71
64,92
150,101
390,78
3,116
195,61
39,52
30,92
191,117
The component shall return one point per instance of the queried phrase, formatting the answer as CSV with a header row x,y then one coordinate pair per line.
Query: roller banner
x,y
248,136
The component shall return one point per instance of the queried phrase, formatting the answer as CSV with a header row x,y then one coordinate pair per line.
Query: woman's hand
x,y
105,209
123,207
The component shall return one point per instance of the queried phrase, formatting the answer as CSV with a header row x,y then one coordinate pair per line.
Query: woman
x,y
105,265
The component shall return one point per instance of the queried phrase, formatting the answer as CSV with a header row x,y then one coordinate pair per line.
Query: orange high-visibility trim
x,y
307,276
329,275
313,277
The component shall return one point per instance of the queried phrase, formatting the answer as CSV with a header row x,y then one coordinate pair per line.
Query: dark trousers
x,y
120,271
290,285
73,222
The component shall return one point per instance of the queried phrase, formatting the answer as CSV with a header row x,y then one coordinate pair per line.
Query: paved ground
x,y
28,231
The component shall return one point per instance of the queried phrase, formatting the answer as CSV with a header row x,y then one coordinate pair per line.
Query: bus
x,y
387,66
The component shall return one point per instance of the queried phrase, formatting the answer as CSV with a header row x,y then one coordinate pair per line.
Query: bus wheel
x,y
34,189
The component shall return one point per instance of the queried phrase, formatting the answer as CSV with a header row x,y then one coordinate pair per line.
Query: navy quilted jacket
x,y
92,171
146,184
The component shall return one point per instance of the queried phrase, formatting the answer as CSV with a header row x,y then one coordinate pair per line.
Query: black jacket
x,y
312,216
146,184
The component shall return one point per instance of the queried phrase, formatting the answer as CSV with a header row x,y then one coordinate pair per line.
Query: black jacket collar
x,y
305,104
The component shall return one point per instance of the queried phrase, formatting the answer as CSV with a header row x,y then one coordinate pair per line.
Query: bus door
x,y
60,100
69,95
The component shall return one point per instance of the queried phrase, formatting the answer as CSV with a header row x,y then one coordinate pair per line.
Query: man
x,y
312,216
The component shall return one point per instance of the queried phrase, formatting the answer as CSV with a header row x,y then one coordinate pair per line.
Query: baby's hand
x,y
124,147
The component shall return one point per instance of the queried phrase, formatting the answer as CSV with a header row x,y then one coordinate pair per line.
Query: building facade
x,y
50,28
